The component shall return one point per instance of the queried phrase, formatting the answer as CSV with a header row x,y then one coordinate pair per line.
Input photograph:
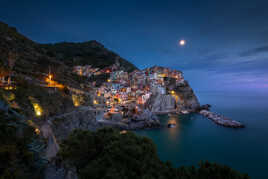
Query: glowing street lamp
x,y
37,131
95,101
37,109
38,113
50,77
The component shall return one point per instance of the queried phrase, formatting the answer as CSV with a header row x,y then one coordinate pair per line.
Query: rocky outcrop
x,y
58,128
187,98
221,120
161,103
82,118
52,144
204,107
183,98
144,120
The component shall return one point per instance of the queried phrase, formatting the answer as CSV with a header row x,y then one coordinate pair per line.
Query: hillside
x,y
22,56
30,56
86,53
28,66
29,63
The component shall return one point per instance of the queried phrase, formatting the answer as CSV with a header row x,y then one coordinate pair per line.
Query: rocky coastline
x,y
221,120
144,120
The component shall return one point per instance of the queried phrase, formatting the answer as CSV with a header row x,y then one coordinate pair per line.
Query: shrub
x,y
109,154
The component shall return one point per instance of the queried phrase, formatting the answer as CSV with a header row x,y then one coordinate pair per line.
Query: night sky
x,y
226,41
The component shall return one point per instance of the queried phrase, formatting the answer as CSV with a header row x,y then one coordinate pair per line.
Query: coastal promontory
x,y
57,96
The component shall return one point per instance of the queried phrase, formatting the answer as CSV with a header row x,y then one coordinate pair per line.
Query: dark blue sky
x,y
227,41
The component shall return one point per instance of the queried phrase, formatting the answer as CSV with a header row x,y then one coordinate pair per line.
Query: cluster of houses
x,y
86,70
123,89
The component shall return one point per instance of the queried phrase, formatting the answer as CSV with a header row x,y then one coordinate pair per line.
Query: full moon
x,y
182,42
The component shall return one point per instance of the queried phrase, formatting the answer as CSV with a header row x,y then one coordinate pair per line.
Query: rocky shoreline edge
x,y
150,120
221,120
145,120
91,119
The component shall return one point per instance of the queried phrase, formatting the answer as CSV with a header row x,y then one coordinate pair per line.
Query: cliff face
x,y
187,98
179,96
162,103
81,118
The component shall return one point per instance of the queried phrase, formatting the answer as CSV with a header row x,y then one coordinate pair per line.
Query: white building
x,y
145,97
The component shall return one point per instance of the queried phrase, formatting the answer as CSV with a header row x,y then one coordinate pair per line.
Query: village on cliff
x,y
131,100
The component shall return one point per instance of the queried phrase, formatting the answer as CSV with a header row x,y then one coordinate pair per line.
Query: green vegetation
x,y
109,154
20,149
51,101
86,53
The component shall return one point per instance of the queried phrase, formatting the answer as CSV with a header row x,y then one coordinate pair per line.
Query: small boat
x,y
123,132
171,125
184,112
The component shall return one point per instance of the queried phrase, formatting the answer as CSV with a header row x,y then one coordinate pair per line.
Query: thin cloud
x,y
255,51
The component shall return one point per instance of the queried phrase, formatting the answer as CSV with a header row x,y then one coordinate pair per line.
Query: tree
x,y
109,154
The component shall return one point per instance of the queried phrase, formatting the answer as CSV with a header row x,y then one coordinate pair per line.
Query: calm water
x,y
196,138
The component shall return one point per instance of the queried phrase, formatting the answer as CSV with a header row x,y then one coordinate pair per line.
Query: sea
x,y
196,138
